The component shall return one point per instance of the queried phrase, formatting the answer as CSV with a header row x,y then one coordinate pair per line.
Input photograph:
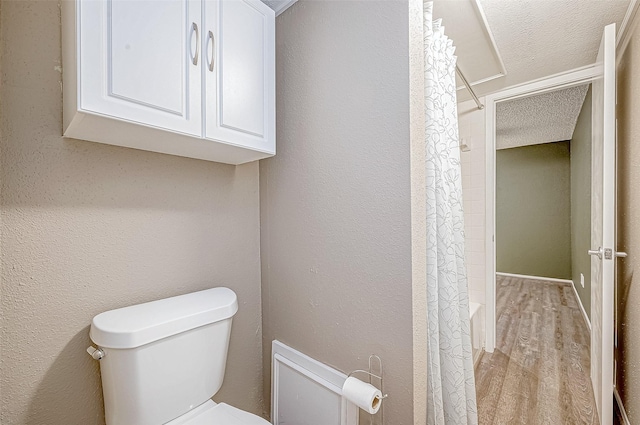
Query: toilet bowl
x,y
161,362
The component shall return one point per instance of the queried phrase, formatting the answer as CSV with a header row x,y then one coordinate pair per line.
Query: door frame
x,y
576,77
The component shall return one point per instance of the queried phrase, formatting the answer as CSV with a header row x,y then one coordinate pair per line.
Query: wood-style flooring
x,y
539,371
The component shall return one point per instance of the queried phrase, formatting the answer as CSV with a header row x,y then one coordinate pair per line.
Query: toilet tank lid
x,y
137,325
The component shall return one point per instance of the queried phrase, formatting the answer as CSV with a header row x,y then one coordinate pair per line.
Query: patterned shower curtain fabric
x,y
451,395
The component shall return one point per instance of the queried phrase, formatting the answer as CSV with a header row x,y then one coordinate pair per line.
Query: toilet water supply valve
x,y
96,353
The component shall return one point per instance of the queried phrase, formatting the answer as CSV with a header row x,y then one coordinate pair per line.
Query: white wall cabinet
x,y
194,78
239,83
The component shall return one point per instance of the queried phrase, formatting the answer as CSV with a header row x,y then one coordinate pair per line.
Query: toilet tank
x,y
163,358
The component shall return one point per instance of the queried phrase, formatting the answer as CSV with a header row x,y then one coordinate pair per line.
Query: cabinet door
x,y
141,60
240,73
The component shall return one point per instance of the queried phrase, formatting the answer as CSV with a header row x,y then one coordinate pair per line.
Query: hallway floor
x,y
539,372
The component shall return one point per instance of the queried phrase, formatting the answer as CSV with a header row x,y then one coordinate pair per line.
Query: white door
x,y
239,44
140,61
603,214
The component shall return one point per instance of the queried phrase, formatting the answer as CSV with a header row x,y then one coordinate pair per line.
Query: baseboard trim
x,y
524,276
623,412
584,312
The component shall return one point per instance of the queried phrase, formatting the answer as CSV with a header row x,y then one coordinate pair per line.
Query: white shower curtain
x,y
451,395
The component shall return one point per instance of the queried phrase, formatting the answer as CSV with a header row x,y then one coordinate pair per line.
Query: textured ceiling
x,y
533,120
534,38
274,4
538,38
279,6
478,56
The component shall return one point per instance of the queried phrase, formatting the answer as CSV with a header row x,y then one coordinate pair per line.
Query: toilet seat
x,y
211,413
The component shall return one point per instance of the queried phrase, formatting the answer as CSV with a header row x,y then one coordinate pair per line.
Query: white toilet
x,y
161,362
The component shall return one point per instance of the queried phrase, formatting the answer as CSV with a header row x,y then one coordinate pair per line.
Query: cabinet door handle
x,y
212,41
194,28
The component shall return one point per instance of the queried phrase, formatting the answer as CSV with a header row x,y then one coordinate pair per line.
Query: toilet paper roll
x,y
364,395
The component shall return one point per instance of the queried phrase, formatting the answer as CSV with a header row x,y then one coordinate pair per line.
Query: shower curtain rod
x,y
468,86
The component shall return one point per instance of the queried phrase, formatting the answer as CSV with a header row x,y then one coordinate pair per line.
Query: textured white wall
x,y
336,199
473,163
89,227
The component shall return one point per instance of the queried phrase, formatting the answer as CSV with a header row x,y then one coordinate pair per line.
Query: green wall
x,y
533,210
581,203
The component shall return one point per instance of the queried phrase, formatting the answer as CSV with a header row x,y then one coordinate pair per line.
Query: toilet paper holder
x,y
378,376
